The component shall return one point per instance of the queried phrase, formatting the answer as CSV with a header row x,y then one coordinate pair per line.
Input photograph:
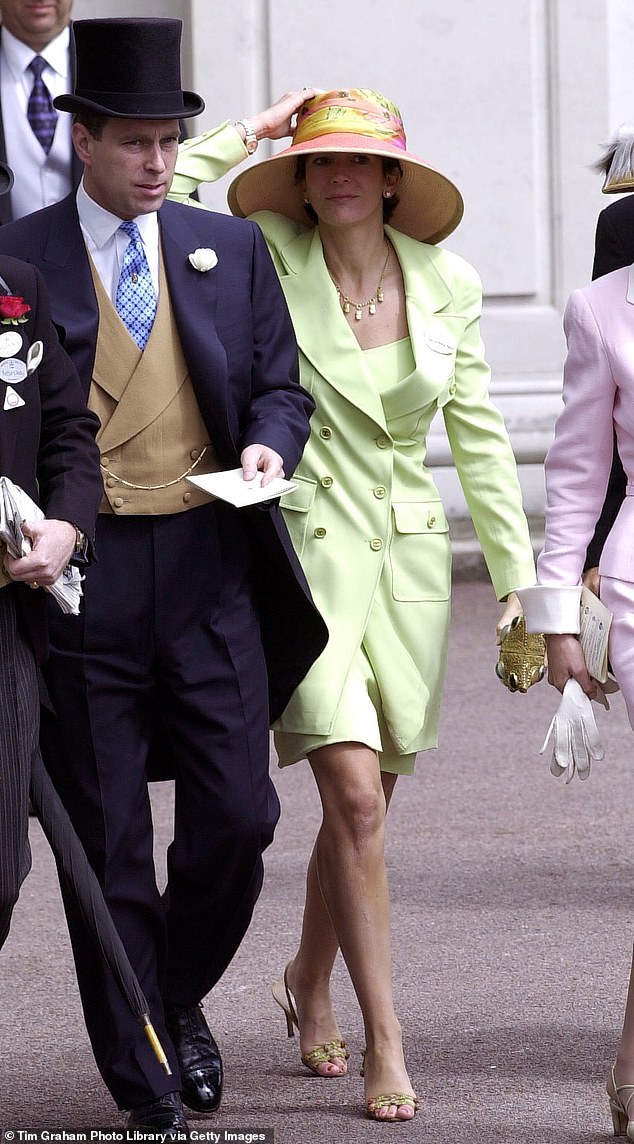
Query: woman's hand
x,y
512,608
565,661
592,580
276,122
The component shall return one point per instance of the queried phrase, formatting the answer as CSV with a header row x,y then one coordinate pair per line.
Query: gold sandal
x,y
620,1108
400,1099
327,1053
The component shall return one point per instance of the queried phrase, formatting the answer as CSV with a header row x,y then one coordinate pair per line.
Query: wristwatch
x,y
80,551
250,137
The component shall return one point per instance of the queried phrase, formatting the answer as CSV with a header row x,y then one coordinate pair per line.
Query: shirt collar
x,y
18,55
101,225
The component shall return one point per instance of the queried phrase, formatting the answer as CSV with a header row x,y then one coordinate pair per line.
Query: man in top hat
x,y
198,623
35,65
47,447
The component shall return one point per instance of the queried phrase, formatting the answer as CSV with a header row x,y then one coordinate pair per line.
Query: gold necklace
x,y
359,307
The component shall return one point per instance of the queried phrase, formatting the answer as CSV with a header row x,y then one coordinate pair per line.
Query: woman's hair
x,y
389,167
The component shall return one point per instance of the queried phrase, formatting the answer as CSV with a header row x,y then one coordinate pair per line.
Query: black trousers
x,y
166,657
19,721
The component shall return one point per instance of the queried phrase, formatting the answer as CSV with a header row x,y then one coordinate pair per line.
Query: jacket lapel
x,y
313,302
194,299
315,307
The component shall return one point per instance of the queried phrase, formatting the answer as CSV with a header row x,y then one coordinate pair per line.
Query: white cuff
x,y
551,608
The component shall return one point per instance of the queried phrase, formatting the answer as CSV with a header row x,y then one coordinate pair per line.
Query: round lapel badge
x,y
13,370
10,343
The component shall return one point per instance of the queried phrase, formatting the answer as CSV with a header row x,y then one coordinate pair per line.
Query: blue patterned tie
x,y
40,111
136,300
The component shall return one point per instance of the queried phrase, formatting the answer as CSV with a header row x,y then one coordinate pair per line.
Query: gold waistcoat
x,y
152,432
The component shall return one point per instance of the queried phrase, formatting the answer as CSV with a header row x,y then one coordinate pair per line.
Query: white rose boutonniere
x,y
203,259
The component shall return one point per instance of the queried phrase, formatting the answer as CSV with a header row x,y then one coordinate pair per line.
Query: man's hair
x,y
93,121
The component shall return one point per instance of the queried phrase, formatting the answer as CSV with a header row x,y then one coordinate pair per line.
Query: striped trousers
x,y
19,723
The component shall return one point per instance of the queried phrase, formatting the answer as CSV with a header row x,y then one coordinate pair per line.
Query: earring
x,y
307,200
387,194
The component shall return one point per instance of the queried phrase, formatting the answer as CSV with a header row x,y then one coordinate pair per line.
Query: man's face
x,y
129,169
36,22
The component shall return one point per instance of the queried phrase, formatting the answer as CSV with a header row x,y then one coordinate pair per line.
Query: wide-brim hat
x,y
129,69
358,120
6,179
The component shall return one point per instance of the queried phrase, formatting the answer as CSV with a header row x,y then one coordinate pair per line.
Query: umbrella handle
x,y
155,1043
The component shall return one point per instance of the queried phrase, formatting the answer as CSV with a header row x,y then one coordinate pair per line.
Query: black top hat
x,y
129,69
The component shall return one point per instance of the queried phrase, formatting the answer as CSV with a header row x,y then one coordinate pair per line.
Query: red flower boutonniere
x,y
13,310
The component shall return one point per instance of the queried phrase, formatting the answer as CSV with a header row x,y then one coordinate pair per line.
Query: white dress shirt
x,y
40,179
106,244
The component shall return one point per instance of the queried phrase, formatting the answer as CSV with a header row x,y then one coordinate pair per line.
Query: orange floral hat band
x,y
429,205
357,111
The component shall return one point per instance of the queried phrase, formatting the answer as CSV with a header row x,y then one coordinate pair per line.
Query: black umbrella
x,y
82,879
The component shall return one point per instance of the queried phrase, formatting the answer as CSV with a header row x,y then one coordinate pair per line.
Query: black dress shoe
x,y
198,1057
160,1119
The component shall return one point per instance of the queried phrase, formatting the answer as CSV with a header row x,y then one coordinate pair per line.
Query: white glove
x,y
576,739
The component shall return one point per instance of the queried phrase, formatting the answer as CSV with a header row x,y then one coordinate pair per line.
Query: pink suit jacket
x,y
598,395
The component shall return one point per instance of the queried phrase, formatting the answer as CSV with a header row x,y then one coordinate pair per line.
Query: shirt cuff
x,y
551,608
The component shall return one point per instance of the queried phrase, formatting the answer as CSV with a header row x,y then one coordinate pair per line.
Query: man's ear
x,y
82,142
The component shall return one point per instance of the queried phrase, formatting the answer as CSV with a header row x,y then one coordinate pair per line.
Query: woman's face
x,y
346,188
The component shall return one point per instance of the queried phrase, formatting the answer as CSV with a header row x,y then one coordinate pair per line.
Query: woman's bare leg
x,y
347,904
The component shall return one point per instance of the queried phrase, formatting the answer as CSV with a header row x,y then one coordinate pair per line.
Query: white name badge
x,y
13,370
10,343
439,346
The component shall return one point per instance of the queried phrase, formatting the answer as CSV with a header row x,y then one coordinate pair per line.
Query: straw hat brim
x,y
430,206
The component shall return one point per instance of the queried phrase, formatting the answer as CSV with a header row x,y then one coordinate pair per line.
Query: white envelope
x,y
230,486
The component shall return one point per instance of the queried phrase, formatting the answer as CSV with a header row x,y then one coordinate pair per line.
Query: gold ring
x,y
34,584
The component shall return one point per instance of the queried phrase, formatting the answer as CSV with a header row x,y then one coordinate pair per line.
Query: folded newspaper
x,y
16,506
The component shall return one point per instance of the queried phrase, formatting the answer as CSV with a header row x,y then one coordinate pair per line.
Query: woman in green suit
x,y
388,332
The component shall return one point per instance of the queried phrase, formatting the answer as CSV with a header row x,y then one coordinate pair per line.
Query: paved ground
x,y
512,903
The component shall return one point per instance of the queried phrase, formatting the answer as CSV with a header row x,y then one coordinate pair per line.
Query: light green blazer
x,y
366,507
366,517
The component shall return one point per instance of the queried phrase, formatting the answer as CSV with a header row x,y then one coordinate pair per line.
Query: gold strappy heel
x,y
327,1053
623,1125
400,1099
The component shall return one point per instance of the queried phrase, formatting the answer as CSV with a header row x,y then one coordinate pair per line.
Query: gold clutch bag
x,y
521,660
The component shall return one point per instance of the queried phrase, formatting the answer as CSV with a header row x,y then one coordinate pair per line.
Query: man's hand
x,y
259,458
53,544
